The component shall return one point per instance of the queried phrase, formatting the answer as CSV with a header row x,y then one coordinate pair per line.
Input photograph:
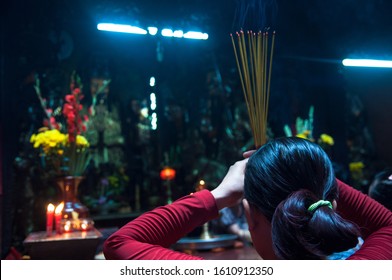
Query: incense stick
x,y
254,53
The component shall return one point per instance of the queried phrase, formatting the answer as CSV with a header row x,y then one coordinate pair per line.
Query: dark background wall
x,y
375,89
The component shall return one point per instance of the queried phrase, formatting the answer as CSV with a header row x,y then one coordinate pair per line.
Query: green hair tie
x,y
318,204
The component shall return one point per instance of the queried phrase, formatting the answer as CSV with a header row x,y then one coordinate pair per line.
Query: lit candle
x,y
67,226
49,219
57,214
84,225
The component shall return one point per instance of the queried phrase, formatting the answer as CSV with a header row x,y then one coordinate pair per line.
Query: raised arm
x,y
150,235
374,220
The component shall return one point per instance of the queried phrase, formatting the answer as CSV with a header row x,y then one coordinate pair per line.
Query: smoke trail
x,y
255,15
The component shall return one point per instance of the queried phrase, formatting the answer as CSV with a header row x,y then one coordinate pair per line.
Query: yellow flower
x,y
32,138
47,139
304,134
356,166
82,141
55,147
51,139
325,138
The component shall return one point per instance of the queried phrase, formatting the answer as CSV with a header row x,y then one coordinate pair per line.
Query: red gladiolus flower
x,y
76,91
71,111
70,98
67,108
71,117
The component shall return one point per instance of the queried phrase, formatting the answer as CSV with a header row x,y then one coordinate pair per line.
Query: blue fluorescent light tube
x,y
196,35
121,28
367,63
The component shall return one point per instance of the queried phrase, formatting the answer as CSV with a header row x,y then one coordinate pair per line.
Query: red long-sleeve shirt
x,y
149,236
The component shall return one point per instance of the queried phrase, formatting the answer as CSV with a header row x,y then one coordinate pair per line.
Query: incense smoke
x,y
255,14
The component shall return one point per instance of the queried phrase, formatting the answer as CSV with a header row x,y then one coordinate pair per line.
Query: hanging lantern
x,y
168,173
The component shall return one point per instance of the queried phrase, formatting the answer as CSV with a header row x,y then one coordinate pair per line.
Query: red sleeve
x,y
373,219
149,236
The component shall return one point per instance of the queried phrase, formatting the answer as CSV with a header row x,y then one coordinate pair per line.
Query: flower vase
x,y
73,208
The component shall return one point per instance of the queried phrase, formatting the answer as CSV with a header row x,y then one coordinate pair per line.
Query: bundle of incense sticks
x,y
254,53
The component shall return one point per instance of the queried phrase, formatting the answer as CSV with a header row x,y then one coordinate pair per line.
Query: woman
x,y
295,209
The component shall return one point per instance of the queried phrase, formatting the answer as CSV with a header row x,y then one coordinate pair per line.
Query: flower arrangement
x,y
65,153
304,129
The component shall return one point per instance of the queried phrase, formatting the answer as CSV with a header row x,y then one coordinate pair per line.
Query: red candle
x,y
57,215
49,219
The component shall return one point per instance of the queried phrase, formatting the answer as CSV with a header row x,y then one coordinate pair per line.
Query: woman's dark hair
x,y
282,179
381,188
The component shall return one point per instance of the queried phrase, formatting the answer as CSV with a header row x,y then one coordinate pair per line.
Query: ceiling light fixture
x,y
121,28
152,30
196,35
166,32
367,63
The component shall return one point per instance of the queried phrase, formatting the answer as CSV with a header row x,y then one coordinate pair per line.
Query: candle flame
x,y
84,226
50,207
67,226
59,208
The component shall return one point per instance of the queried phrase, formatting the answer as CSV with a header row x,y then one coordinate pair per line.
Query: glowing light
x,y
50,208
144,112
196,35
154,121
67,226
367,63
167,32
152,81
84,225
153,100
202,182
59,208
121,28
168,173
178,33
152,30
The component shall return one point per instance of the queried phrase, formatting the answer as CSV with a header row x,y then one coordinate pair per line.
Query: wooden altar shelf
x,y
79,245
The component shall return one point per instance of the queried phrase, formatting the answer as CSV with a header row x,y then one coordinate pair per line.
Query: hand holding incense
x,y
254,53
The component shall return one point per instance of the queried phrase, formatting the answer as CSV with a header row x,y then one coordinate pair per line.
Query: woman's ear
x,y
248,214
